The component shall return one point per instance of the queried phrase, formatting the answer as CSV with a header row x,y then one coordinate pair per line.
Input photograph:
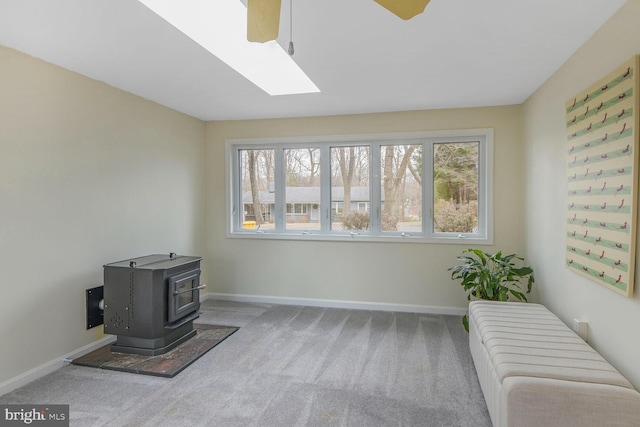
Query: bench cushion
x,y
527,340
534,371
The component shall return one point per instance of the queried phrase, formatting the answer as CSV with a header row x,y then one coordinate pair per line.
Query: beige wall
x,y
393,273
613,319
88,175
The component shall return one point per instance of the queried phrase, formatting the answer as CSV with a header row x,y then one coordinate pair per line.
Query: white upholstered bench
x,y
534,371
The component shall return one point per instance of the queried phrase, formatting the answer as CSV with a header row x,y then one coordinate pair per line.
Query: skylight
x,y
220,26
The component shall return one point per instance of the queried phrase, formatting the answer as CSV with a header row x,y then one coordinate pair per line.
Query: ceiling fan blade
x,y
263,20
405,9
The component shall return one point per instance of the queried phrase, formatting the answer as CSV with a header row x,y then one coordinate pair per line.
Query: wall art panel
x,y
602,168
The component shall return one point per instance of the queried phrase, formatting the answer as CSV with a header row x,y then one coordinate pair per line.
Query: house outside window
x,y
419,187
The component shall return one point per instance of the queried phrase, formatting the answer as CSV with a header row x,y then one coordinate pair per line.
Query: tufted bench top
x,y
527,340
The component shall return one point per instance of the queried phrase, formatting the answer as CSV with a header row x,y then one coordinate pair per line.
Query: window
x,y
256,178
350,167
455,187
302,188
422,187
401,183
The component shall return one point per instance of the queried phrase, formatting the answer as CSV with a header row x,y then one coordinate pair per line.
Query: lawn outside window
x,y
429,187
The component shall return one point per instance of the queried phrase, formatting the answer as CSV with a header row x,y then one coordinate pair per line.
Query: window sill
x,y
361,238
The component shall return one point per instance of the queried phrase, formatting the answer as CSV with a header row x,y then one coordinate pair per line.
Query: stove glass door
x,y
184,294
185,297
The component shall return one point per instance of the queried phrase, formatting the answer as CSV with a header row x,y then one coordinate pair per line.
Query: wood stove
x,y
150,302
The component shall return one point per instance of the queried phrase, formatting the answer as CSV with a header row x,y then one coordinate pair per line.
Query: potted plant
x,y
492,277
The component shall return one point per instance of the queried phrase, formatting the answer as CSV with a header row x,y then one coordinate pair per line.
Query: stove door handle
x,y
189,290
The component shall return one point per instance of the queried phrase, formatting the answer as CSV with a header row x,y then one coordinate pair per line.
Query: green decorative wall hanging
x,y
602,169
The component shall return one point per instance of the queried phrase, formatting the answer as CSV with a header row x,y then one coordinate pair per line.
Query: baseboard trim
x,y
51,366
355,305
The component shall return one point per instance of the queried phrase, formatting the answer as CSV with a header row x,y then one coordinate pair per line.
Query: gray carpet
x,y
290,366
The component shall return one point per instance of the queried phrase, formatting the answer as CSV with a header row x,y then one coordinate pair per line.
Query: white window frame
x,y
234,206
364,206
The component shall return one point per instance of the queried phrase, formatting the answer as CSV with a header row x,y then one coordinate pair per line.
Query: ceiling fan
x,y
263,16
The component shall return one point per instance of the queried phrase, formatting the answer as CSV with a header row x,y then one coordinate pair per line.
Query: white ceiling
x,y
458,53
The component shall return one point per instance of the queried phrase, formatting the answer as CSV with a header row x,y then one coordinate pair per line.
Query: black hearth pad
x,y
165,365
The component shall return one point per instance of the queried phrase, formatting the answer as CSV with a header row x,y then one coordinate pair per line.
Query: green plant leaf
x,y
518,295
465,322
482,256
494,277
522,271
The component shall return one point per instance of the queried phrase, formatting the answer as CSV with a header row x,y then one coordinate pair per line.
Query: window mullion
x,y
375,197
484,187
487,184
481,187
236,195
325,188
279,187
427,188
